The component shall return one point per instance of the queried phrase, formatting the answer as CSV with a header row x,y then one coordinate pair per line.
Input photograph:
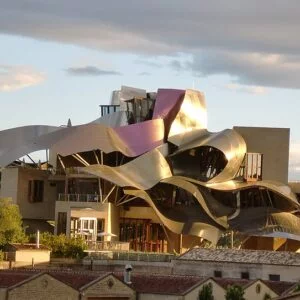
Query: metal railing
x,y
79,197
131,256
107,246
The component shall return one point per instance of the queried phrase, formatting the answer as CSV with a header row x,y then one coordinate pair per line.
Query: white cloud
x,y
256,90
17,77
250,68
294,167
256,43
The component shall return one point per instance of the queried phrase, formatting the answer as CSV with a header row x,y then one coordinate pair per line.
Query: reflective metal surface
x,y
142,173
173,157
206,231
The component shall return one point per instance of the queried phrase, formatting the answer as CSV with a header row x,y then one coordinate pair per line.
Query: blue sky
x,y
242,59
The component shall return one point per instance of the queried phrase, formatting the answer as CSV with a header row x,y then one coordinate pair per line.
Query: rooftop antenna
x,y
38,239
69,124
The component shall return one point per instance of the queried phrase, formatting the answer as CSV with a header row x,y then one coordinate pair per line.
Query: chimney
x,y
127,274
38,239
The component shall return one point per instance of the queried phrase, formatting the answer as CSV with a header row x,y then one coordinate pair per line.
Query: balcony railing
x,y
79,197
108,246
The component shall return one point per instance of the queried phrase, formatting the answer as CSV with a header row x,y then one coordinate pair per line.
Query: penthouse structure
x,y
149,176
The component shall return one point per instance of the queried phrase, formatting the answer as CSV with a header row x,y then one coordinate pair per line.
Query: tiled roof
x,y
75,280
225,282
10,278
141,282
243,256
162,284
279,287
28,247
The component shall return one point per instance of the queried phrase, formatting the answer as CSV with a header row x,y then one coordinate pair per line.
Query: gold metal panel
x,y
233,185
228,141
203,230
192,189
142,173
192,115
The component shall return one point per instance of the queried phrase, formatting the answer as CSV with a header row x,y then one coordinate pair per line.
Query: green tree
x,y
234,292
11,230
62,246
297,288
267,296
206,293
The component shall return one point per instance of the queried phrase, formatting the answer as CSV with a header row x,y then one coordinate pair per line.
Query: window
x,y
274,277
218,274
254,162
35,190
245,275
61,223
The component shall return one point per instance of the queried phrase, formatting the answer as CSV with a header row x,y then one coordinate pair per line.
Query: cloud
x,y
177,65
90,71
17,77
255,43
294,160
148,63
256,90
250,68
144,74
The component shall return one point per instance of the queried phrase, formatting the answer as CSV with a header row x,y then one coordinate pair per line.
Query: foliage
x,y
297,288
225,240
62,246
206,293
234,292
267,296
11,230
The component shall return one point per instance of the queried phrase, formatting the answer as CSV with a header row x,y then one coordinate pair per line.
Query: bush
x,y
234,292
62,246
206,293
11,230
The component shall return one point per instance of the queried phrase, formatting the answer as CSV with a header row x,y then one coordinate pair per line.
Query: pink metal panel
x,y
165,102
141,137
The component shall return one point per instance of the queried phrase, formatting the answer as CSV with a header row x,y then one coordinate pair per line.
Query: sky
x,y
62,59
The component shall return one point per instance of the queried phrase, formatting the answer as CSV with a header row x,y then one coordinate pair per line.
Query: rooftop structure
x,y
34,284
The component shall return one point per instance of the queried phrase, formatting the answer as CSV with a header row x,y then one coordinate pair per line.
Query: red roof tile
x,y
279,287
225,282
28,247
10,278
161,284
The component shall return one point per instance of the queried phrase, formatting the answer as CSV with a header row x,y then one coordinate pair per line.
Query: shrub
x,y
206,293
62,246
234,292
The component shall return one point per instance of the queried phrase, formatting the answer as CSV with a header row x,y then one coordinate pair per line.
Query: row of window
x,y
246,275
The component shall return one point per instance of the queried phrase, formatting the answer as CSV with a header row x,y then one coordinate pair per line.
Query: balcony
x,y
78,197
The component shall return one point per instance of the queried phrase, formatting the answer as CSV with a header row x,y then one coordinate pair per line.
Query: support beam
x,y
83,160
61,162
125,201
31,159
112,189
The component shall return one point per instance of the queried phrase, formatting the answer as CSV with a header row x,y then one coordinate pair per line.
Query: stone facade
x,y
42,287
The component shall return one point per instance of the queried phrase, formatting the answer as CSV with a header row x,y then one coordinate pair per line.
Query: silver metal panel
x,y
115,119
17,142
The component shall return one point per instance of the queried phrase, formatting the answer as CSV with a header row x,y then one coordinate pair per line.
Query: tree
x,y
267,296
234,292
62,246
206,293
11,230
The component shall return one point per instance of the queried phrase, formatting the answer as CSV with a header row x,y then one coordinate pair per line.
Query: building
x,y
32,284
239,264
149,175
